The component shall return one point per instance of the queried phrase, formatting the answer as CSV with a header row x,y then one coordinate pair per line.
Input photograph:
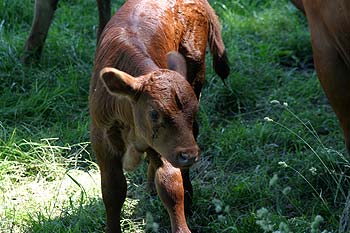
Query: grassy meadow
x,y
273,159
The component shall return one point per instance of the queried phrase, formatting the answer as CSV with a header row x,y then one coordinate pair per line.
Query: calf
x,y
43,15
144,98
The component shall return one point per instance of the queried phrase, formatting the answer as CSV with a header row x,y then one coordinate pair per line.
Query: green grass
x,y
255,175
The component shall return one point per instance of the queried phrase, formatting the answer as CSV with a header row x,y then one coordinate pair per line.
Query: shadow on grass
x,y
89,217
146,214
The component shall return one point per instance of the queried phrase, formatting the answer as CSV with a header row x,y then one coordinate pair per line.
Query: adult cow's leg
x,y
104,14
330,43
332,60
113,181
299,4
43,15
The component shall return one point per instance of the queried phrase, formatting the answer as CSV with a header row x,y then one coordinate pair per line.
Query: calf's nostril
x,y
184,156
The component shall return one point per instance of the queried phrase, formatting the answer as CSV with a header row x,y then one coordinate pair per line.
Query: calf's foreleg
x,y
114,189
169,185
113,181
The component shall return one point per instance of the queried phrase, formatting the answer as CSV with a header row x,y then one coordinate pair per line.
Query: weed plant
x,y
287,173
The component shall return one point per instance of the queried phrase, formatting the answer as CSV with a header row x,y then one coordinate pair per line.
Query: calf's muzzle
x,y
187,156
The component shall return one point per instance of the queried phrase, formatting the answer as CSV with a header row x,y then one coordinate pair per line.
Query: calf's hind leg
x,y
188,190
195,75
151,170
185,172
43,15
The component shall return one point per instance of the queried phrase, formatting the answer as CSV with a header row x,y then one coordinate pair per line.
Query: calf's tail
x,y
216,45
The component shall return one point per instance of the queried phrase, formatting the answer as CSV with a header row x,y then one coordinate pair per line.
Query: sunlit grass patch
x,y
37,181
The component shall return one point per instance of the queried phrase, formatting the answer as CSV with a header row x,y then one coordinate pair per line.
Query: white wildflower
x,y
313,171
268,119
283,164
274,102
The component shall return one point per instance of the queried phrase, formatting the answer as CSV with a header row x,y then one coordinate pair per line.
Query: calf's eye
x,y
154,115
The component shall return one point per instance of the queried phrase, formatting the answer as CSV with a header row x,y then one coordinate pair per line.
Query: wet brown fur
x,y
123,101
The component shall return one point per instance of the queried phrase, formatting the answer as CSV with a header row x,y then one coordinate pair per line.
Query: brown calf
x,y
138,105
43,15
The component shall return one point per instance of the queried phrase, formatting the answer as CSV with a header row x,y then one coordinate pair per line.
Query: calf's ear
x,y
119,83
176,62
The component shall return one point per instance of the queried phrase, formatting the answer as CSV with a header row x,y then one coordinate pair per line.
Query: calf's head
x,y
164,106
